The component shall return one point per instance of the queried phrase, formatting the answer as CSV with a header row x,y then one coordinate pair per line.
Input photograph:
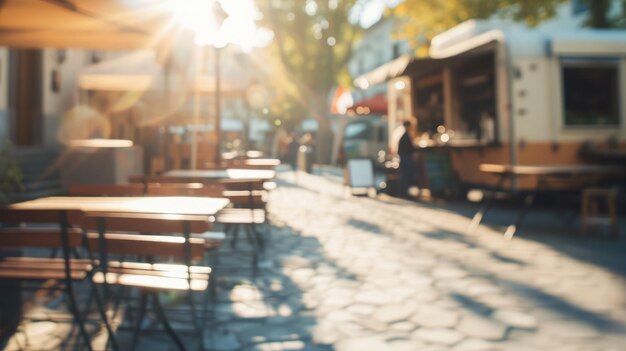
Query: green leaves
x,y
427,18
313,41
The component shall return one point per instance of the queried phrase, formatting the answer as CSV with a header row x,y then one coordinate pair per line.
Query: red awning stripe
x,y
375,104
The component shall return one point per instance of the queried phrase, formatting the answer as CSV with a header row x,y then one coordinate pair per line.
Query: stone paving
x,y
352,273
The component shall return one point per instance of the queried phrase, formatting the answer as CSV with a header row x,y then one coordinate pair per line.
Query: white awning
x,y
382,73
590,42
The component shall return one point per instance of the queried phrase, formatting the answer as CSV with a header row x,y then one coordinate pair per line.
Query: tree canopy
x,y
425,19
313,42
602,16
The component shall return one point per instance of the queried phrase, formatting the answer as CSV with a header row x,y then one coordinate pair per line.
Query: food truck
x,y
492,92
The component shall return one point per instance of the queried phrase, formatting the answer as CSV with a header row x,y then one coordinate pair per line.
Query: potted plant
x,y
10,173
10,296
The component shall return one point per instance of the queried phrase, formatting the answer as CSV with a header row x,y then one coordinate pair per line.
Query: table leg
x,y
11,309
158,309
528,201
486,205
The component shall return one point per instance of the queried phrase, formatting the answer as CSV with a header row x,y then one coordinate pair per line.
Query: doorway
x,y
25,98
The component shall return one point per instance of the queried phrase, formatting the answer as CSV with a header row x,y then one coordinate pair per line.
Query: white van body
x,y
365,137
529,68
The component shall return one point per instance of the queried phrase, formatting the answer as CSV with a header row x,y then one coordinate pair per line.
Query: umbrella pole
x,y
218,109
196,108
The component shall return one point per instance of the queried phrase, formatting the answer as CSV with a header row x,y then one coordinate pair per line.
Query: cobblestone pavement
x,y
352,273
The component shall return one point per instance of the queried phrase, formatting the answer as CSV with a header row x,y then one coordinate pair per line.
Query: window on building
x,y
382,133
357,130
590,94
396,50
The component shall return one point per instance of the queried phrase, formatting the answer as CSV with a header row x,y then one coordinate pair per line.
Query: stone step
x,y
29,195
41,185
38,176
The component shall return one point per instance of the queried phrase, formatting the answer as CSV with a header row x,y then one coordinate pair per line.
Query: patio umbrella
x,y
141,70
87,24
136,71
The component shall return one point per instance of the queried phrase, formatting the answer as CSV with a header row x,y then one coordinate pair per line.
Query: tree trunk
x,y
324,141
343,121
599,13
324,137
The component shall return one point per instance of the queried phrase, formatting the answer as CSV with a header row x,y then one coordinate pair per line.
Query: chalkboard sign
x,y
438,171
360,173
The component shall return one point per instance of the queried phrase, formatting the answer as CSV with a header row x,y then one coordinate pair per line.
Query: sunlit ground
x,y
358,273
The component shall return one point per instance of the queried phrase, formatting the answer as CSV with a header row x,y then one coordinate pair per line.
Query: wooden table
x,y
258,163
253,163
262,162
148,208
76,209
157,205
575,174
173,207
222,174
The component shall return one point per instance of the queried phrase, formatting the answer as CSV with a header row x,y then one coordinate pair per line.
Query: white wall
x,y
538,104
54,104
532,96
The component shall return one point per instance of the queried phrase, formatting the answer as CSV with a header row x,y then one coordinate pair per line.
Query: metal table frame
x,y
582,174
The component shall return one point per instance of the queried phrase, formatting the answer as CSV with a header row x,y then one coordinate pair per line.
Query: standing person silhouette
x,y
292,150
407,166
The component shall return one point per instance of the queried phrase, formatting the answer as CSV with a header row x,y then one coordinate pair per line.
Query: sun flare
x,y
238,27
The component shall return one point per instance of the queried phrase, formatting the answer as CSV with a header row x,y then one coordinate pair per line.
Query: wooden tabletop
x,y
554,170
159,205
262,162
251,174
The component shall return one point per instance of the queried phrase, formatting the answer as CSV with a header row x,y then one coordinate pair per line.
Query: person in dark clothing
x,y
292,151
407,165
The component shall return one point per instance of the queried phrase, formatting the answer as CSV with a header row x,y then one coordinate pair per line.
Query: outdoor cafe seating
x,y
248,207
149,277
66,271
129,242
143,251
247,196
585,178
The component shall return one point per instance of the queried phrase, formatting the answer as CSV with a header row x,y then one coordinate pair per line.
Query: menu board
x,y
360,173
438,171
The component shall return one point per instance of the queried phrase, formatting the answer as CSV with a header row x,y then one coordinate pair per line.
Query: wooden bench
x,y
248,199
249,210
137,222
106,190
35,268
150,278
229,184
58,234
238,198
172,277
